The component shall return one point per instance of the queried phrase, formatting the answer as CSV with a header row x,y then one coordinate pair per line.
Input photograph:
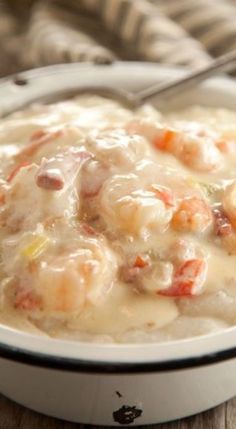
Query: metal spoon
x,y
167,89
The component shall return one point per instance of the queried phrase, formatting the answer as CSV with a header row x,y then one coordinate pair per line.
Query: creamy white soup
x,y
118,226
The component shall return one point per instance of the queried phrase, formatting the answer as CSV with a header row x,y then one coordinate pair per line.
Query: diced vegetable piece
x,y
163,140
141,262
37,246
188,279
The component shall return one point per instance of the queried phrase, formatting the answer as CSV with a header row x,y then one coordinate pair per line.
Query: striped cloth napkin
x,y
175,32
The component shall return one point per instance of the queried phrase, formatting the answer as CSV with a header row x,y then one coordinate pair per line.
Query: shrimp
x,y
192,215
117,148
69,281
126,207
195,150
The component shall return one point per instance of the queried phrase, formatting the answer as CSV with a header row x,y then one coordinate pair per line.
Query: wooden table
x,y
13,416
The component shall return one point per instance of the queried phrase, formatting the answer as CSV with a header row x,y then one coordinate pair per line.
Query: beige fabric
x,y
182,32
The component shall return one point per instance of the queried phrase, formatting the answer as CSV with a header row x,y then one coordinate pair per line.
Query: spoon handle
x,y
223,63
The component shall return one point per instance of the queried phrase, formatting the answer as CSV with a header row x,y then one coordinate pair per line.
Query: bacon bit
x,y
140,262
26,300
44,138
188,279
88,229
162,142
164,194
223,226
61,170
16,170
50,180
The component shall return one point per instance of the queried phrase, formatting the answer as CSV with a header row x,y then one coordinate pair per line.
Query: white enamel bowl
x,y
117,384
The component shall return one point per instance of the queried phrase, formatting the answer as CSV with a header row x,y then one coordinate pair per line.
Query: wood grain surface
x,y
14,416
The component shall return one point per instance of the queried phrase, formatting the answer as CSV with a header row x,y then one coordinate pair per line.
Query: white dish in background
x,y
117,384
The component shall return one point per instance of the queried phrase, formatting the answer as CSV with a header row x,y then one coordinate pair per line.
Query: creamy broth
x,y
118,226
